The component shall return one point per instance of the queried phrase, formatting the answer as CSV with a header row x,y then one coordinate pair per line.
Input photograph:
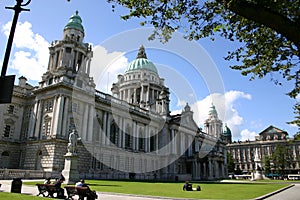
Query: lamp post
x,y
7,82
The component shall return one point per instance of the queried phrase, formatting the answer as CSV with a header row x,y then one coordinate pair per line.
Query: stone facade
x,y
243,152
129,134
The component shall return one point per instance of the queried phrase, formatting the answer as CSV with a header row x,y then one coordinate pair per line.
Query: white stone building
x,y
129,134
243,152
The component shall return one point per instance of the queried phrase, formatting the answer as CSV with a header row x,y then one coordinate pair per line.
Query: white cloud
x,y
106,66
298,98
31,51
225,105
247,135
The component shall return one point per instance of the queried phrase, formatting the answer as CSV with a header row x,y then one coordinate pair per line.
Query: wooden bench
x,y
48,189
80,191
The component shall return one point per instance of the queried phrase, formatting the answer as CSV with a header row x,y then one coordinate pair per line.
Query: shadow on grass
x,y
104,185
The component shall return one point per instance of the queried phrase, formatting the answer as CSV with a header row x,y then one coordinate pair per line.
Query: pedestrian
x,y
47,180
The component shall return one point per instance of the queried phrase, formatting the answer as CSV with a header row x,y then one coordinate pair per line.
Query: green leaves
x,y
268,30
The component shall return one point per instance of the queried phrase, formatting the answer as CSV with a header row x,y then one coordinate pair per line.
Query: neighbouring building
x,y
129,134
243,152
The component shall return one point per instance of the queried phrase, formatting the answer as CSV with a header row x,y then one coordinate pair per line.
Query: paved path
x,y
292,193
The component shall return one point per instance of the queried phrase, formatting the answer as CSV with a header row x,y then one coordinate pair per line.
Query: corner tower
x,y
141,85
213,125
70,58
227,134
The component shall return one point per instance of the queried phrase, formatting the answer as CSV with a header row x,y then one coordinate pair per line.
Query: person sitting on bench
x,y
91,195
57,184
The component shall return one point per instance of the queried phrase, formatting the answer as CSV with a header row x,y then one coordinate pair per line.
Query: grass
x,y
209,190
16,196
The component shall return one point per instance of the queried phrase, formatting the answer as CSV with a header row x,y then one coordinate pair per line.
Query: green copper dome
x,y
227,131
141,62
75,23
213,111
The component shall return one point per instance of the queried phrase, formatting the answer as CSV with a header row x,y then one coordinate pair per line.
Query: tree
x,y
230,163
267,164
281,159
268,31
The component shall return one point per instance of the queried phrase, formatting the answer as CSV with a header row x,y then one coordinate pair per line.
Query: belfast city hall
x,y
129,133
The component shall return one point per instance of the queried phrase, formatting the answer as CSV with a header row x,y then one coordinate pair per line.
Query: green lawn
x,y
174,189
8,195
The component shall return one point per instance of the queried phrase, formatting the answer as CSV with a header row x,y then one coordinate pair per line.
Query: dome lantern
x,y
141,63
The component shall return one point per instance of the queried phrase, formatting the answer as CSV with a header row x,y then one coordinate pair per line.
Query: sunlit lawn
x,y
16,196
174,189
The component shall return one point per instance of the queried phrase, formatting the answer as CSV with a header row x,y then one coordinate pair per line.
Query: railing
x,y
20,173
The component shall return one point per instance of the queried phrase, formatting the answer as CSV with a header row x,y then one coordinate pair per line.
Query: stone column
x,y
142,93
76,60
148,94
147,139
134,96
210,171
63,56
89,67
107,141
123,132
103,133
50,62
55,60
223,170
59,114
84,122
33,119
39,120
120,132
65,117
205,170
71,64
90,123
134,135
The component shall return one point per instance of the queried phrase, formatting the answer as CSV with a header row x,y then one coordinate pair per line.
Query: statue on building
x,y
72,145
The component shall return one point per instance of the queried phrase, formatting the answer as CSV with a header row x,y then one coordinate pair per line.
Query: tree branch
x,y
261,15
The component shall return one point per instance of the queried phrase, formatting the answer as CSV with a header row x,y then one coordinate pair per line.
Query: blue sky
x,y
248,106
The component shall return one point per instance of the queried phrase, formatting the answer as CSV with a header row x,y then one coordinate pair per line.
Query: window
x,y
48,106
141,141
68,50
74,107
28,112
10,109
47,125
153,143
7,131
113,131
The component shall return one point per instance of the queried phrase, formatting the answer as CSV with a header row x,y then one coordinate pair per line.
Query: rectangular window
x,y
10,109
74,107
48,106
